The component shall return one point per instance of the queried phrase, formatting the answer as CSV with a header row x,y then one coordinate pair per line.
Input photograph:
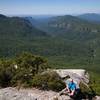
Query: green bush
x,y
48,80
6,72
84,88
87,91
95,82
27,64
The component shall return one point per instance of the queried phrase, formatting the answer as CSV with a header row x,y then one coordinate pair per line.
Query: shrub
x,y
34,63
27,64
48,80
87,92
84,88
6,73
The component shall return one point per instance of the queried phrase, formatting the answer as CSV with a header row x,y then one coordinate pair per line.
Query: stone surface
x,y
29,94
97,98
78,75
33,94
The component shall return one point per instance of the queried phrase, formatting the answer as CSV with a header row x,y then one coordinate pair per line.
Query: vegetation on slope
x,y
76,46
70,27
17,27
26,71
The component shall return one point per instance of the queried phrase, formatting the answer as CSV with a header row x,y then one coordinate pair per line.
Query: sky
x,y
48,7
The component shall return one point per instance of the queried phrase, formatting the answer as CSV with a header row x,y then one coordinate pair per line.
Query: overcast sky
x,y
48,7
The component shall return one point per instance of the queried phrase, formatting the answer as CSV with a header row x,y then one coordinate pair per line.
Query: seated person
x,y
71,87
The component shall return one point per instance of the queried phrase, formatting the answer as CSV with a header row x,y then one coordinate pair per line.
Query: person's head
x,y
71,80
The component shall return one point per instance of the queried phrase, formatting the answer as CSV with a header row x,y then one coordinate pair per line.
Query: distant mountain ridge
x,y
92,17
70,27
2,16
16,26
16,34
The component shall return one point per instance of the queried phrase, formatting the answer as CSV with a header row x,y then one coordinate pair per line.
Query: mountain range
x,y
70,27
67,41
15,26
15,32
91,17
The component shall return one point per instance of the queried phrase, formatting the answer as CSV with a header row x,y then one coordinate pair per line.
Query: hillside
x,y
91,17
18,27
70,27
67,41
74,41
15,33
71,41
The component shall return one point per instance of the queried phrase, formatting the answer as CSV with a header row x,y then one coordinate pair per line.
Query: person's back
x,y
72,86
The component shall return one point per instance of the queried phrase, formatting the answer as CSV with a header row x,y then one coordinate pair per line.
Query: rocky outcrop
x,y
33,94
36,94
29,94
78,75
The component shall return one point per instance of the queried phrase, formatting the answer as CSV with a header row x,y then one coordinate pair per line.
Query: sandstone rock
x,y
78,75
29,94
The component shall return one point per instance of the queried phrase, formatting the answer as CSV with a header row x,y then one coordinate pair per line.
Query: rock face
x,y
14,94
78,75
29,94
32,94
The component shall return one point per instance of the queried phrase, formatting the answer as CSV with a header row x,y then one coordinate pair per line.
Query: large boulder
x,y
78,75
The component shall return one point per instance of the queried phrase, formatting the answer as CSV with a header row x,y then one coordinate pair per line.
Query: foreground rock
x,y
29,94
32,94
35,94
